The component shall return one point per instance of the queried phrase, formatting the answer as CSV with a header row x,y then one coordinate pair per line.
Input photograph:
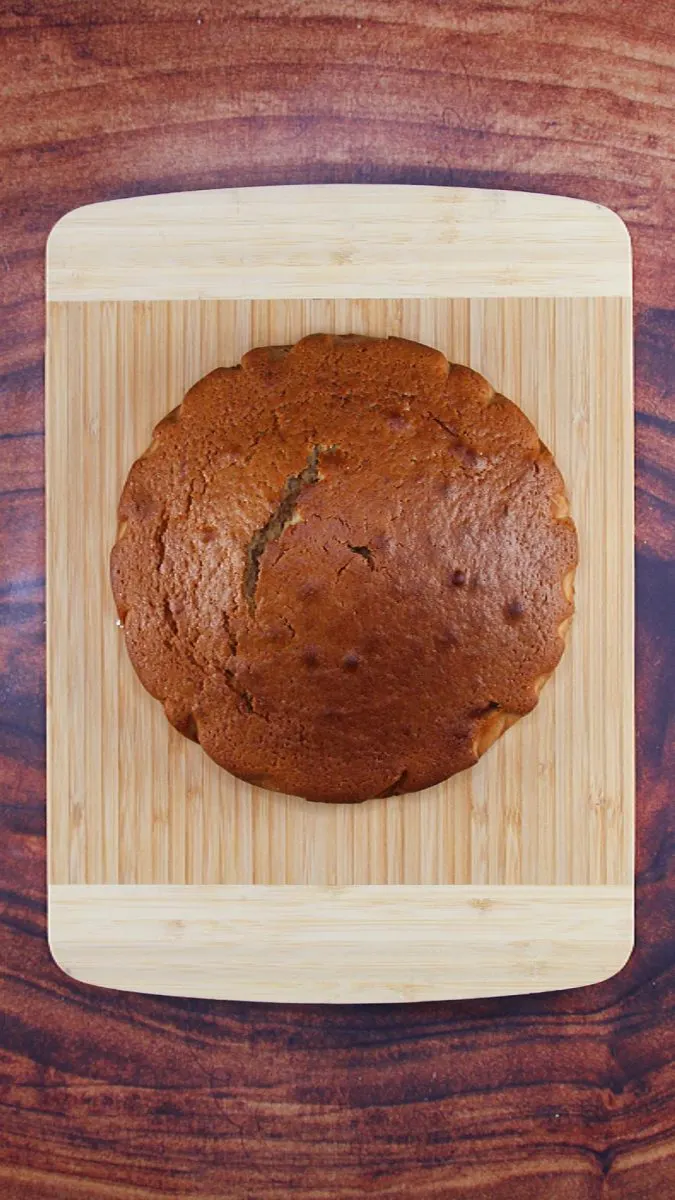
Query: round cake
x,y
345,567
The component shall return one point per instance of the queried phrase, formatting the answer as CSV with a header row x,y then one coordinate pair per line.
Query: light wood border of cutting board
x,y
338,945
360,942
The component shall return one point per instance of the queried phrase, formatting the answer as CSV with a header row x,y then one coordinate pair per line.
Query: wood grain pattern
x,y
561,1097
372,943
138,803
338,241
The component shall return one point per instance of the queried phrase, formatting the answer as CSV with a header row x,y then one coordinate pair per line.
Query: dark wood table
x,y
108,1096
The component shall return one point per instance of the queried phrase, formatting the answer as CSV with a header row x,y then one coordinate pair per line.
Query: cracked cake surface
x,y
344,567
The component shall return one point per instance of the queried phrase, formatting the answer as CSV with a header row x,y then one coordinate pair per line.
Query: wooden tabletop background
x,y
108,1096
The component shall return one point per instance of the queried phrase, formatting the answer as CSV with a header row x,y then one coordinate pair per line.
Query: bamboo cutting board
x,y
165,873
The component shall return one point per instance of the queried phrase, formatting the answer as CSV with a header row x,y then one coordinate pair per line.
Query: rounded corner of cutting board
x,y
61,953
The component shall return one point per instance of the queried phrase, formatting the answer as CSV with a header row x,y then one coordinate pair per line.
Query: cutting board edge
x,y
338,241
356,944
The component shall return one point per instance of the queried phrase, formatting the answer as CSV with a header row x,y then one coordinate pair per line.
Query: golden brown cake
x,y
344,567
